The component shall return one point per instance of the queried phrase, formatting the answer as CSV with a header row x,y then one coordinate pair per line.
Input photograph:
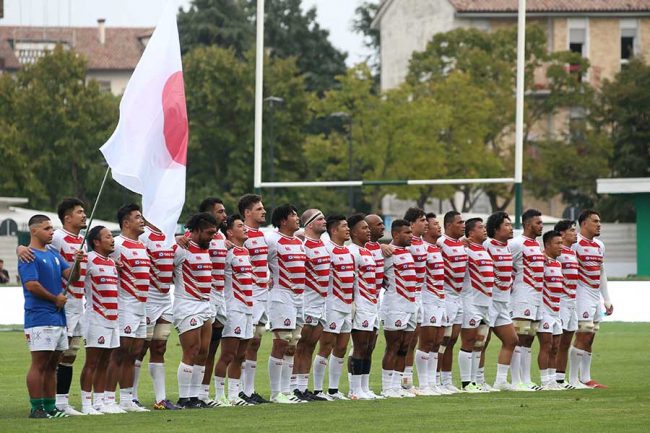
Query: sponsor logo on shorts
x,y
101,340
472,322
287,322
398,323
238,330
127,330
148,321
432,319
585,315
193,321
309,319
365,324
546,325
333,325
526,312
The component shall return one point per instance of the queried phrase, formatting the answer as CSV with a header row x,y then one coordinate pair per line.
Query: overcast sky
x,y
334,15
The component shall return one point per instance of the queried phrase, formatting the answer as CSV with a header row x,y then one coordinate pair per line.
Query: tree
x,y
52,123
364,15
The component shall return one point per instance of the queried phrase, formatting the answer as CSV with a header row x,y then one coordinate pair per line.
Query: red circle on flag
x,y
175,127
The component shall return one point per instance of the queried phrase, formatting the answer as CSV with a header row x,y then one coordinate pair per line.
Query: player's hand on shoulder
x,y
25,254
183,242
118,264
387,250
229,245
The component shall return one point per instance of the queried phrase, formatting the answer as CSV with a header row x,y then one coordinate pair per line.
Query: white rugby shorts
x,y
46,338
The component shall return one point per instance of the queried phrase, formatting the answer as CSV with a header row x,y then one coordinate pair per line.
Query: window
x,y
578,40
104,86
629,40
28,52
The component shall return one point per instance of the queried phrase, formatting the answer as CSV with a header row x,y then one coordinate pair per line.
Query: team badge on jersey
x,y
238,330
365,324
127,330
193,321
472,322
546,326
101,340
526,312
432,319
333,325
398,323
309,319
287,322
585,315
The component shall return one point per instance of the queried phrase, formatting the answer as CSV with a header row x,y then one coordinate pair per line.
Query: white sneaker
x,y
488,388
324,395
282,399
89,410
70,411
408,393
441,390
579,385
554,386
451,388
503,386
428,391
129,406
566,386
238,401
522,387
294,398
370,393
111,408
391,393
338,396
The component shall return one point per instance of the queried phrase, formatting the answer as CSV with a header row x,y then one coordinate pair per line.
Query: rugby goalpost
x,y
516,179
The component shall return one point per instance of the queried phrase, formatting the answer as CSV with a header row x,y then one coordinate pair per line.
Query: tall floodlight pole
x,y
259,77
519,118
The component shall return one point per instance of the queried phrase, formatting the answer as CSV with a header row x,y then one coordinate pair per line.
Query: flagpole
x,y
259,80
90,222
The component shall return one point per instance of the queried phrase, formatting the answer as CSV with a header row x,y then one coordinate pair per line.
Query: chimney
x,y
101,28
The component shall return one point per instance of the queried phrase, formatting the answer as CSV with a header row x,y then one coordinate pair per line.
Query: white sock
x,y
575,358
197,379
275,375
398,376
336,369
319,366
476,360
526,358
560,377
109,397
86,399
233,388
386,380
480,375
184,376
551,374
515,364
432,367
502,373
287,370
126,395
157,372
62,400
365,383
422,365
407,377
219,387
585,367
303,382
250,367
242,377
98,399
204,392
465,365
445,377
136,378
355,384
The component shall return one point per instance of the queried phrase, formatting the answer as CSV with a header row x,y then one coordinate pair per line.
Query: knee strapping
x,y
259,331
448,332
162,331
522,327
587,326
73,347
534,326
295,336
283,335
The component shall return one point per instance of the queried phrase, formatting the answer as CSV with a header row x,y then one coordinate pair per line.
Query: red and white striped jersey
x,y
218,252
455,260
287,266
528,270
479,277
162,265
590,255
239,281
67,244
502,258
317,273
553,282
400,281
101,291
340,294
569,262
434,290
134,274
192,273
365,289
418,250
375,249
258,251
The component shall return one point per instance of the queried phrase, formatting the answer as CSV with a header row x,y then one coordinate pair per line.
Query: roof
x,y
620,185
548,6
121,50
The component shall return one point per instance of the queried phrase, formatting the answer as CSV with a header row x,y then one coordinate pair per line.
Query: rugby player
x,y
192,311
592,285
398,309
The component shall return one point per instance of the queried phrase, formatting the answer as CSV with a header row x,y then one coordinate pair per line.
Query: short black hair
x,y
201,221
529,215
430,215
247,201
332,222
586,214
398,224
37,219
125,211
412,214
471,224
67,205
207,204
449,217
230,222
281,213
93,235
494,221
355,219
563,225
550,235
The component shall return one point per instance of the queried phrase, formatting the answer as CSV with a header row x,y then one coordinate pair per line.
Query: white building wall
x,y
116,79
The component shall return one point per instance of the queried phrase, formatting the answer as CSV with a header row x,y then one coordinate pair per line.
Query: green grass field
x,y
620,361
